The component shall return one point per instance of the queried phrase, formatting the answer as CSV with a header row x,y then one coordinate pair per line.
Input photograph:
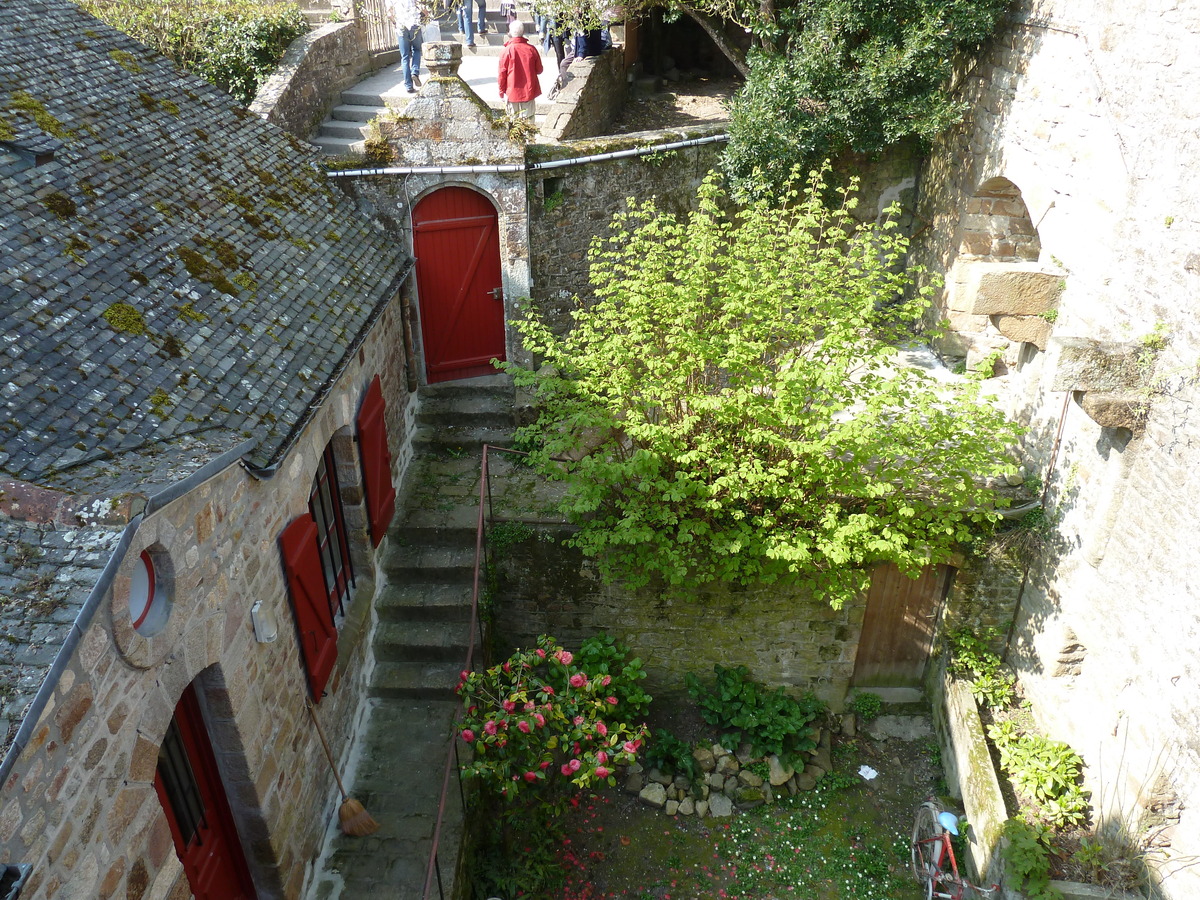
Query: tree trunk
x,y
766,15
716,31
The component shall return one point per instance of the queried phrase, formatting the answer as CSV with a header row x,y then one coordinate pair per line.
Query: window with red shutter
x,y
376,462
310,601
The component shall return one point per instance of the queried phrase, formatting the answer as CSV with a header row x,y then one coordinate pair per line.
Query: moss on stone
x,y
125,318
76,247
246,280
22,101
6,131
160,402
125,60
172,346
203,270
138,276
60,204
188,312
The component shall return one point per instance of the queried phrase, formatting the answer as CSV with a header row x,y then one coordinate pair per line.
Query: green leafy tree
x,y
857,75
736,406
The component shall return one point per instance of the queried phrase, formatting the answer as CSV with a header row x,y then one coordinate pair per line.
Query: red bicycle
x,y
933,859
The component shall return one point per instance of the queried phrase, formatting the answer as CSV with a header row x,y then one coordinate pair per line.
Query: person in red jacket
x,y
520,66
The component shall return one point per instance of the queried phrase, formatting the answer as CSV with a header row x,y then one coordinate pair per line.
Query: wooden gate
x,y
457,245
190,790
897,632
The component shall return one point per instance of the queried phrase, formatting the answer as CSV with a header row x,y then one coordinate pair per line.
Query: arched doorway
x,y
457,244
193,797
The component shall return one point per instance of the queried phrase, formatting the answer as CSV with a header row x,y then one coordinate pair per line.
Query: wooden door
x,y
457,244
898,626
190,790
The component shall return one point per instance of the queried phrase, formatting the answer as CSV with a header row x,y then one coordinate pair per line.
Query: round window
x,y
148,601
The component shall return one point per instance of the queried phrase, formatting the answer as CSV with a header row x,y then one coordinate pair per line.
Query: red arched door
x,y
457,245
190,790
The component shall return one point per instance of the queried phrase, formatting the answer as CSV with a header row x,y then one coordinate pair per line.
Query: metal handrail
x,y
486,514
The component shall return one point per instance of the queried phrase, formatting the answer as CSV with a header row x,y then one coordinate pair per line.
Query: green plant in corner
x,y
744,710
670,755
1027,855
866,705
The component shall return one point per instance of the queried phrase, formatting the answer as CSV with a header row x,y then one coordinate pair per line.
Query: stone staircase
x,y
423,604
345,130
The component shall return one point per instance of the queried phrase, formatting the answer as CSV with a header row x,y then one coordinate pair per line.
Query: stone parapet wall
x,y
317,67
80,804
782,636
589,102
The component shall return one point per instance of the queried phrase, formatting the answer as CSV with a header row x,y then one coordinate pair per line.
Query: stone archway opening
x,y
997,225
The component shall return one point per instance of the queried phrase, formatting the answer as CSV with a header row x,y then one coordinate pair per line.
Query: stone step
x,y
456,439
491,410
421,641
498,384
445,565
339,128
331,146
416,542
429,601
350,112
416,680
448,523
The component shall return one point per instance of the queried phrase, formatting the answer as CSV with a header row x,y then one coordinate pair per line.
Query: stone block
x,y
654,795
1025,329
720,806
1085,364
1117,410
1008,288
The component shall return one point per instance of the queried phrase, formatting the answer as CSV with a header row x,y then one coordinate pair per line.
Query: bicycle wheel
x,y
926,847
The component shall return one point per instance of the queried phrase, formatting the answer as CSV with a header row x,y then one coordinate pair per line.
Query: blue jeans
x,y
410,53
482,11
465,25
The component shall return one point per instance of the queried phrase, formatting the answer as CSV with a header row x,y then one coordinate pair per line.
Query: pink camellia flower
x,y
564,657
545,764
602,728
578,720
611,700
601,772
602,757
578,680
472,709
528,707
632,746
605,681
548,690
509,706
468,735
489,727
501,742
540,719
523,727
507,667
540,652
566,770
531,776
574,765
464,675
575,747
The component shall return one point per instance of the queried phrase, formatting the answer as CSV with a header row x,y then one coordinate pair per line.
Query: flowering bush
x,y
541,720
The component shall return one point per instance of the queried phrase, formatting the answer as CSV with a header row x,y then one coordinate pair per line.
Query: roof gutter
x,y
154,503
512,168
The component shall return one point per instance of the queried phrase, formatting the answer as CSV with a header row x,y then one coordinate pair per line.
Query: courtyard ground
x,y
693,100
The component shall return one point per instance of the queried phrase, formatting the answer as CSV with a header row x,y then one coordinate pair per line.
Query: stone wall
x,y
1087,112
317,67
590,100
80,803
783,637
570,206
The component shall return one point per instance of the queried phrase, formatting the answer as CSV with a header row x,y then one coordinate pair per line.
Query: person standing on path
x,y
407,15
520,66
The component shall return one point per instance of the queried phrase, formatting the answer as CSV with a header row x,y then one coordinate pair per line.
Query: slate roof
x,y
46,573
179,268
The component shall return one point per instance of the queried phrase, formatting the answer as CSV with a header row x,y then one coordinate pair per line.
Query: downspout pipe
x,y
84,618
513,168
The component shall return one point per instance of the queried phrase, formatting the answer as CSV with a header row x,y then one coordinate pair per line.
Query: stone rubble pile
x,y
727,781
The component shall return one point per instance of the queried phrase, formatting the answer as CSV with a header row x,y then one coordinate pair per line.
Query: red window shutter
x,y
310,601
376,462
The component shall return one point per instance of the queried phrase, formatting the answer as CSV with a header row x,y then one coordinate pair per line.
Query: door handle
x,y
497,293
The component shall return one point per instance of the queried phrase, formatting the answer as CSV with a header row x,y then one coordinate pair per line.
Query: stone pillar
x,y
442,58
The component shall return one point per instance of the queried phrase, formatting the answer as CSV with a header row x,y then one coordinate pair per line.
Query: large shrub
x,y
235,44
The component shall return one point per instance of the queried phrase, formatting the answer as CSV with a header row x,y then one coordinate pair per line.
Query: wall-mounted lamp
x,y
266,629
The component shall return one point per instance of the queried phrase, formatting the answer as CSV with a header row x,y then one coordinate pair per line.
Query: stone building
x,y
1063,214
198,466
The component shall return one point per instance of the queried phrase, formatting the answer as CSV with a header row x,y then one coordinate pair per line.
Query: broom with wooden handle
x,y
353,818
